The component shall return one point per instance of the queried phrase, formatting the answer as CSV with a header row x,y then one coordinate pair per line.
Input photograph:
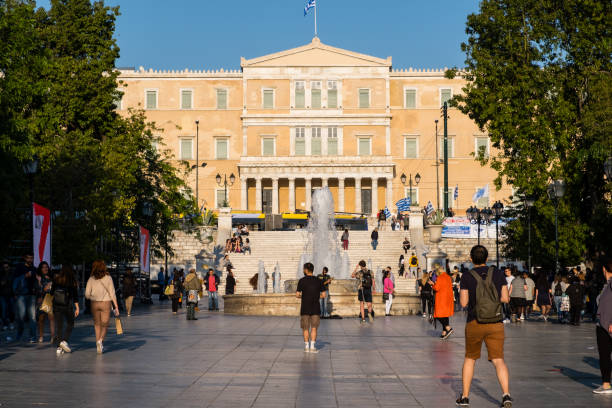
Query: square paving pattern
x,y
244,361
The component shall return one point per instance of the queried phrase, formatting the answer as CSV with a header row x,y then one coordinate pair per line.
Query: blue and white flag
x,y
387,213
430,208
481,192
404,204
309,5
456,194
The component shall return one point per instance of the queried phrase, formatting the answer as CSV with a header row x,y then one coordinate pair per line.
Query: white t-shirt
x,y
509,280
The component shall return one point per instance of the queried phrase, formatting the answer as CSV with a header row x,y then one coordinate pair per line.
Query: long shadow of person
x,y
456,383
587,379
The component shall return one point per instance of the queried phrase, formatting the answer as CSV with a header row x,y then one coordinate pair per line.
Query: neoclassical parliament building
x,y
314,116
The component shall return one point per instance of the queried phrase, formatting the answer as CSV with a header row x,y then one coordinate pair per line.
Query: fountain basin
x,y
337,286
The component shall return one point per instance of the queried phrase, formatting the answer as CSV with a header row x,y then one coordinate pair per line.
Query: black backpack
x,y
558,290
61,298
488,307
366,280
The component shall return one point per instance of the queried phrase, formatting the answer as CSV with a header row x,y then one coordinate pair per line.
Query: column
x,y
340,195
244,200
390,192
324,182
308,193
292,195
258,194
374,195
275,195
357,194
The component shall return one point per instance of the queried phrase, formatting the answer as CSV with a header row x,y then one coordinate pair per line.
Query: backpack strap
x,y
490,274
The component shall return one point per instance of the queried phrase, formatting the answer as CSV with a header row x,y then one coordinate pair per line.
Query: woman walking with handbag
x,y
101,292
65,307
175,291
43,283
388,292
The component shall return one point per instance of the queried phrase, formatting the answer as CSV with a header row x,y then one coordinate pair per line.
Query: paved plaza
x,y
239,361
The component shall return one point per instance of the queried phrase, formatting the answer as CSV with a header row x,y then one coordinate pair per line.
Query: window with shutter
x,y
315,95
186,146
222,149
268,99
315,142
221,98
220,196
332,141
364,98
364,146
300,95
186,95
450,146
445,95
411,148
332,94
450,195
410,96
300,141
482,146
151,101
268,146
414,197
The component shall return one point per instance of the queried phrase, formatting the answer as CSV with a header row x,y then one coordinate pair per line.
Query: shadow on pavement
x,y
587,379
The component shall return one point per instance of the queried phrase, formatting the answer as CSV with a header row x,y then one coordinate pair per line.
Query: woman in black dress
x,y
543,294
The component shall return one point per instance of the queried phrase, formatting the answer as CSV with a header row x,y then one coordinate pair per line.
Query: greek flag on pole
x,y
481,192
430,208
403,204
387,213
309,5
456,194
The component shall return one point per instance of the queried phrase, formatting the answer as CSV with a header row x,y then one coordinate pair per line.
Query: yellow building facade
x,y
314,116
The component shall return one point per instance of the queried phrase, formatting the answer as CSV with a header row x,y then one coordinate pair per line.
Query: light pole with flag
x,y
312,4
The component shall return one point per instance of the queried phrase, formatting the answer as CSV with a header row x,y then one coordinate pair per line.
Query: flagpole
x,y
315,7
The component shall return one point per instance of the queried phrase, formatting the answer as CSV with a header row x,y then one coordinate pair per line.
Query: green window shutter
x,y
364,98
300,146
364,146
151,101
316,99
482,147
300,98
332,98
413,196
410,98
221,197
221,99
186,149
332,141
268,147
315,142
186,99
222,149
450,149
445,96
268,99
411,148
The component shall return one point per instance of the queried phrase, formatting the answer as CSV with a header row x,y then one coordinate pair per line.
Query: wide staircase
x,y
286,248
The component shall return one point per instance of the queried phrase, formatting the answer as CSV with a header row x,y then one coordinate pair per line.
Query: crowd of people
x,y
239,241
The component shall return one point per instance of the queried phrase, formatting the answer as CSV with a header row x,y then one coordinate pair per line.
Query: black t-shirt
x,y
324,278
311,289
469,283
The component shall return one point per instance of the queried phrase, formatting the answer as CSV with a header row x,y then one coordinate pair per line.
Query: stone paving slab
x,y
245,361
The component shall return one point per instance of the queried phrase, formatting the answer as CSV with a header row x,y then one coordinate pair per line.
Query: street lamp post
x,y
477,215
529,202
498,208
30,168
197,122
225,184
556,190
417,180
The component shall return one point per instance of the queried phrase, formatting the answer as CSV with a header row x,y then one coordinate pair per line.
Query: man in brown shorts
x,y
310,289
491,333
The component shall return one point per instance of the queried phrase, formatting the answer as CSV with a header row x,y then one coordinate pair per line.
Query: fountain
x,y
262,279
276,279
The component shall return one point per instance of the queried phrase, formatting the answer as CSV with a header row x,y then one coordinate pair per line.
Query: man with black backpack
x,y
483,290
365,289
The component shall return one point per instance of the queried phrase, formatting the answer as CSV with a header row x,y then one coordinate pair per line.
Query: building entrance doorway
x,y
366,201
266,200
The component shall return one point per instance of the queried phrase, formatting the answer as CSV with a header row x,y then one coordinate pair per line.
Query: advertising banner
x,y
41,222
145,241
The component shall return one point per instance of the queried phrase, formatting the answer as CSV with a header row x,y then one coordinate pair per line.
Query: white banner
x,y
145,241
41,222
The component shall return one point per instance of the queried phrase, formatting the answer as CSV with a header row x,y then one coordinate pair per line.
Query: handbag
x,y
118,325
47,304
169,291
192,296
385,297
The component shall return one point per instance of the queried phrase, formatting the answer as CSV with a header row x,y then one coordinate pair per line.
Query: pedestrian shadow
x,y
592,361
456,384
4,356
587,379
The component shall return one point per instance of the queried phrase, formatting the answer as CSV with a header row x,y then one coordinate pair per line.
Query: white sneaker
x,y
306,349
99,347
506,321
522,317
59,351
424,315
602,390
313,349
64,346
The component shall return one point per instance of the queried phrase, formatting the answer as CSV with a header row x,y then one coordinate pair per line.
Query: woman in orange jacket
x,y
444,305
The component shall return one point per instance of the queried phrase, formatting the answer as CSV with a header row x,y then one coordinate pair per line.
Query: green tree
x,y
537,73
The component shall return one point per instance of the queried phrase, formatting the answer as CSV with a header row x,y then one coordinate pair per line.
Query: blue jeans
x,y
6,304
324,305
213,300
374,244
558,300
26,310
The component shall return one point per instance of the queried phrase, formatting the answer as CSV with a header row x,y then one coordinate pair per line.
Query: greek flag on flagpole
x,y
430,208
481,192
456,195
403,204
387,213
309,5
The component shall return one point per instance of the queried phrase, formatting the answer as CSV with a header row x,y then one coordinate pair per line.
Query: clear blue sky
x,y
210,34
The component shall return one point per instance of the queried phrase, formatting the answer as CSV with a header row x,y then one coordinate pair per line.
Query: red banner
x,y
145,243
41,222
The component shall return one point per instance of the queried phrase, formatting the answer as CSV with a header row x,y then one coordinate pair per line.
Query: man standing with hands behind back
x,y
310,289
365,289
